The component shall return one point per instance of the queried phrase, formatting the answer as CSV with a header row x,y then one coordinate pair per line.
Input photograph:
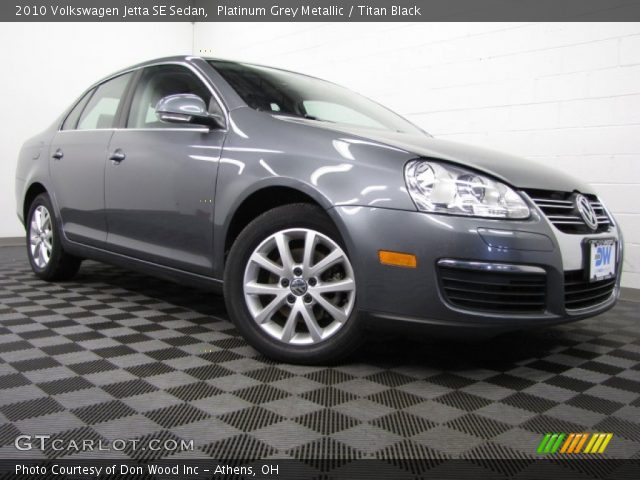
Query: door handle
x,y
117,156
57,155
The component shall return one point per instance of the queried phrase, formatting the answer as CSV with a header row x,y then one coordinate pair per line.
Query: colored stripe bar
x,y
589,446
556,446
566,444
574,444
605,442
581,443
543,443
596,446
549,445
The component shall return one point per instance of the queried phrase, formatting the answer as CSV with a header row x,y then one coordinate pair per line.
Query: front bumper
x,y
415,296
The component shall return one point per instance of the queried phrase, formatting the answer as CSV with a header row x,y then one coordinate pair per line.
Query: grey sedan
x,y
318,212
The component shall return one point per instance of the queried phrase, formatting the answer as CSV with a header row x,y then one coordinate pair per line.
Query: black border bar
x,y
319,10
327,468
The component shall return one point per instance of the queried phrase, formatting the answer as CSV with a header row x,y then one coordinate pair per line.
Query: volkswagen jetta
x,y
317,211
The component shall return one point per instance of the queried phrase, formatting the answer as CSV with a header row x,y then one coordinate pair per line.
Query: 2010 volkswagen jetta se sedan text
x,y
319,212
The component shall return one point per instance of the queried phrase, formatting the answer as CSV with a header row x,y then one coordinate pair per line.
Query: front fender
x,y
329,166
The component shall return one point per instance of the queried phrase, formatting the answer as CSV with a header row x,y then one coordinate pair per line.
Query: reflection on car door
x,y
77,161
160,179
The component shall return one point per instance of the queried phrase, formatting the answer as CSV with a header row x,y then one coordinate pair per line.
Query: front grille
x,y
560,209
501,292
580,293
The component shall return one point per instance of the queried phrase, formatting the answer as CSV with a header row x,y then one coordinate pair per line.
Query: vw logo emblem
x,y
586,211
298,286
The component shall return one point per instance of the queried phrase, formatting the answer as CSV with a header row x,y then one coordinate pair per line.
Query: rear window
x,y
71,121
101,109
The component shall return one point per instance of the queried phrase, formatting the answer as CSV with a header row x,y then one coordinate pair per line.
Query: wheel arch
x,y
35,189
261,200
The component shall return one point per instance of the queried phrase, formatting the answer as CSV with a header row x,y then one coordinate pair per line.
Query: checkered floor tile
x,y
118,355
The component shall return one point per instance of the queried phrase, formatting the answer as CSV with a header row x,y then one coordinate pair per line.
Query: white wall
x,y
46,66
566,94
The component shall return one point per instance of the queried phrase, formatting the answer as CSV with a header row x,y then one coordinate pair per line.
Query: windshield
x,y
286,93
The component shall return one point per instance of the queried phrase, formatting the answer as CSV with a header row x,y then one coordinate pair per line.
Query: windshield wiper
x,y
299,115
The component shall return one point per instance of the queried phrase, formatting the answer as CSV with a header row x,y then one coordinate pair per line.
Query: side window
x,y
72,119
157,83
101,109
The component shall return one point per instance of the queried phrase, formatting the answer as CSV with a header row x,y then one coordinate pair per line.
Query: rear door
x,y
77,160
160,187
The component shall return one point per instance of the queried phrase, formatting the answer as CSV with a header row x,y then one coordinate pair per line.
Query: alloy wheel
x,y
299,286
41,236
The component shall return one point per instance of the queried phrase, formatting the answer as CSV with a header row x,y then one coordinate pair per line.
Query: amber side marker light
x,y
397,259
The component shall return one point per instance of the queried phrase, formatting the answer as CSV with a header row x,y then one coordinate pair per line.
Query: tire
x,y
48,259
294,311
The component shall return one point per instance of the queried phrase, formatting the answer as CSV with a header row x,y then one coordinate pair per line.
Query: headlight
x,y
442,188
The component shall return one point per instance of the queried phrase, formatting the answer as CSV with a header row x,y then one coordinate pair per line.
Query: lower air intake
x,y
502,292
580,293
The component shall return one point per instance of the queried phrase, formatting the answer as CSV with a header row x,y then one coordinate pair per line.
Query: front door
x,y
160,178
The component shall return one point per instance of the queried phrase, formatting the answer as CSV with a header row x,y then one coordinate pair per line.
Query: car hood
x,y
516,171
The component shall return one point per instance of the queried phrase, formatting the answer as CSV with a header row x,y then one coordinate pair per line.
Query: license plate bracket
x,y
602,258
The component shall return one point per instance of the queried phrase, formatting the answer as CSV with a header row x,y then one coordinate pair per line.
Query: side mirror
x,y
187,108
